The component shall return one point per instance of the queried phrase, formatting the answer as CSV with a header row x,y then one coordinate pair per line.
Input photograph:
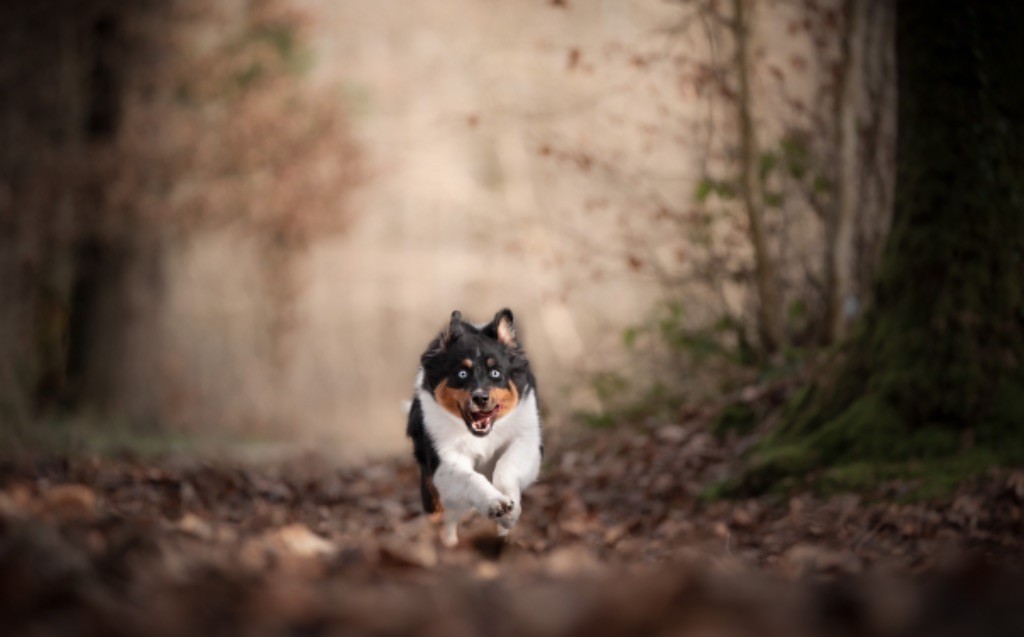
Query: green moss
x,y
249,76
92,435
797,402
866,427
740,418
782,469
723,490
871,428
657,402
105,437
1000,430
864,445
772,465
931,479
597,420
609,386
921,480
859,476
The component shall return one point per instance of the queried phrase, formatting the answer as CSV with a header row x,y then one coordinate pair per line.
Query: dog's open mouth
x,y
480,421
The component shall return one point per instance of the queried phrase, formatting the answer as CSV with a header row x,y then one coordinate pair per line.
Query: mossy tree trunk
x,y
936,369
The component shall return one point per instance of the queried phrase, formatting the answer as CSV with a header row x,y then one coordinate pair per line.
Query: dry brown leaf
x,y
192,524
419,554
67,502
807,559
572,560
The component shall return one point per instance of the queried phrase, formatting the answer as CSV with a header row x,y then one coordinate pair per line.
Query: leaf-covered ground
x,y
614,539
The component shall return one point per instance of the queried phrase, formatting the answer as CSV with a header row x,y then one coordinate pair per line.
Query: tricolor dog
x,y
475,424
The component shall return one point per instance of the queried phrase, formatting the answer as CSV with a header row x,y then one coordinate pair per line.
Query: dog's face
x,y
472,371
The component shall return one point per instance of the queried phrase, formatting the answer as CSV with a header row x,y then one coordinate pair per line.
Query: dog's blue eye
x,y
495,373
463,374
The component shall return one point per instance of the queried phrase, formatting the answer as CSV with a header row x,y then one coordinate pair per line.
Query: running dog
x,y
475,424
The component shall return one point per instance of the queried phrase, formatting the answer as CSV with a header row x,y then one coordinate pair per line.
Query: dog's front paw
x,y
507,521
500,508
505,512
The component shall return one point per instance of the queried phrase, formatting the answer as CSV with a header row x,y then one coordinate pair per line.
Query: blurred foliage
x,y
666,349
740,418
135,128
789,165
248,140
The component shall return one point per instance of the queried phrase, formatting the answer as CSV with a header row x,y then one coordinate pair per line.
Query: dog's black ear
x,y
502,328
445,337
453,331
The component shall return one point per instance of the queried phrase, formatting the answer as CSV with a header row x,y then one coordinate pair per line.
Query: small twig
x,y
870,533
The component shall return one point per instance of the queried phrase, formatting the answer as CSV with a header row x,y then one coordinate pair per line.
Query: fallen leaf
x,y
415,554
66,502
299,540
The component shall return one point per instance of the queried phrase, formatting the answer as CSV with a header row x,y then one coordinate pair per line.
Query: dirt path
x,y
614,540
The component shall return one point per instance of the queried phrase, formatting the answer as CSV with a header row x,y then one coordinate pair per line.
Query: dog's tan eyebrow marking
x,y
467,362
491,362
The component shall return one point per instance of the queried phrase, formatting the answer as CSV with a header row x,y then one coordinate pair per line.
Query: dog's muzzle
x,y
480,413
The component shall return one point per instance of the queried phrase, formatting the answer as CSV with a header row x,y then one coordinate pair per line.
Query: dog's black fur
x,y
426,456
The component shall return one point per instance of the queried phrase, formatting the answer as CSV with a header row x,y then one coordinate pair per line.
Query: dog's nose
x,y
480,398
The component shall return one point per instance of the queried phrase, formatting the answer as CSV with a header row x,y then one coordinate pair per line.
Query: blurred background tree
x,y
155,124
780,234
933,376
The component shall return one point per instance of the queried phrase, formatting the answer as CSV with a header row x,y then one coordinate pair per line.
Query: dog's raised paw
x,y
509,520
500,508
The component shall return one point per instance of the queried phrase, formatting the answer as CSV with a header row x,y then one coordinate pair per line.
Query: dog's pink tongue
x,y
481,420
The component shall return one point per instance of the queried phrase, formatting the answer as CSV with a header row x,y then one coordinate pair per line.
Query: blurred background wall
x,y
250,216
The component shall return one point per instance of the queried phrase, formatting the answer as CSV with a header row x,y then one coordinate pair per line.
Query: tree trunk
x,y
877,140
63,261
864,137
936,368
766,274
839,264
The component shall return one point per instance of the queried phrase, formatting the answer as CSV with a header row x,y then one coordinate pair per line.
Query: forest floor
x,y
615,539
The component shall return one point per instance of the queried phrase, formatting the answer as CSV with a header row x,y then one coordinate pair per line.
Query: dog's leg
x,y
515,470
463,488
450,530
